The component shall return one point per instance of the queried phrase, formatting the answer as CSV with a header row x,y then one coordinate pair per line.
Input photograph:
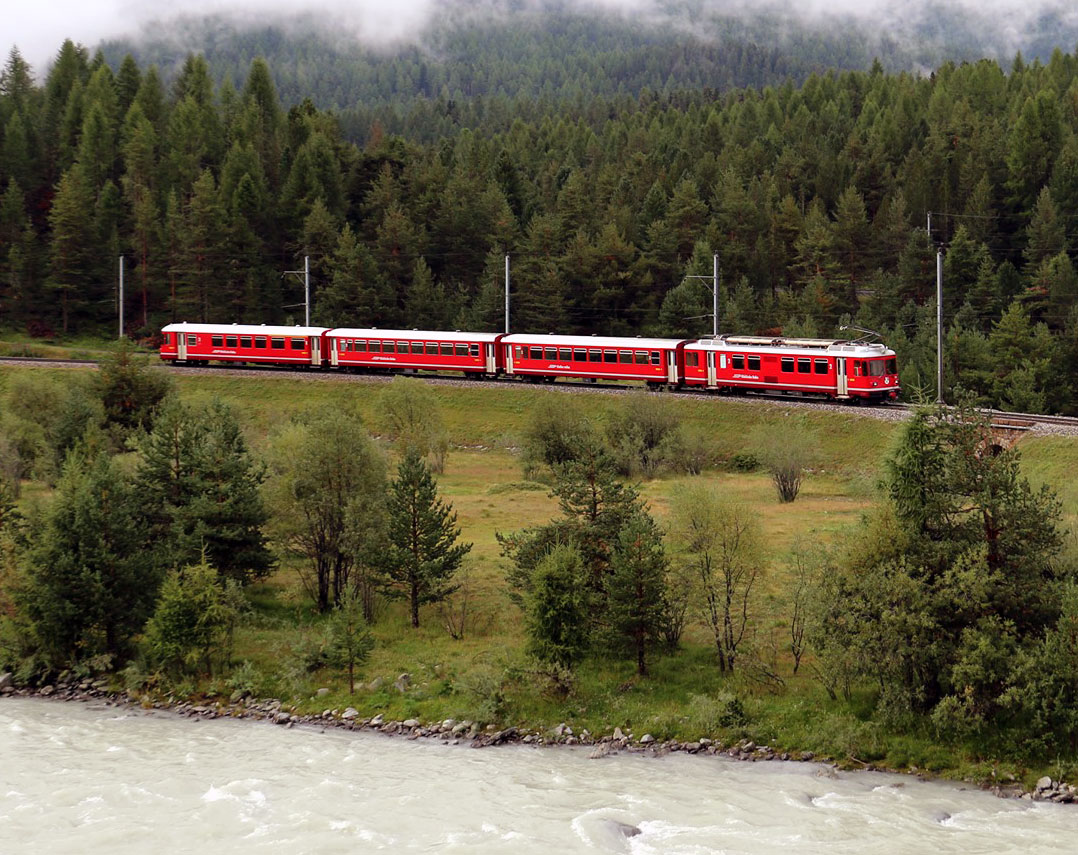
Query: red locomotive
x,y
843,370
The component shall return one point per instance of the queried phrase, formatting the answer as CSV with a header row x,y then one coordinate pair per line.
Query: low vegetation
x,y
852,622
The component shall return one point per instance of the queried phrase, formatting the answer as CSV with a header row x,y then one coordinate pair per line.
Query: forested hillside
x,y
814,197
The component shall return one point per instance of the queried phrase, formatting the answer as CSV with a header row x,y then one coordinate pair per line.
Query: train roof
x,y
765,344
426,335
625,343
243,329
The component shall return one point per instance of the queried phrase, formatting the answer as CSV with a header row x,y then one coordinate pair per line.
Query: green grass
x,y
485,676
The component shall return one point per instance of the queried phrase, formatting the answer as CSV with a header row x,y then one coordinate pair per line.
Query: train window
x,y
610,356
821,366
787,363
431,349
565,354
595,356
346,345
446,348
877,367
692,359
417,347
580,356
641,357
260,341
754,363
656,359
804,366
473,349
461,349
550,353
858,368
738,362
277,343
217,340
232,341
299,344
536,353
518,352
375,346
359,346
892,366
625,356
245,341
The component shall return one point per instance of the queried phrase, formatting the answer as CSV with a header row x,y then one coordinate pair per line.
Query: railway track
x,y
891,411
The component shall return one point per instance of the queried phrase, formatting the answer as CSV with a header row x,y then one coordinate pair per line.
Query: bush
x,y
744,461
409,413
785,454
555,435
645,435
713,713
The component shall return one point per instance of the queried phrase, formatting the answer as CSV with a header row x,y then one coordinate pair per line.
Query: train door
x,y
488,352
181,347
508,358
316,350
671,367
712,377
334,357
842,388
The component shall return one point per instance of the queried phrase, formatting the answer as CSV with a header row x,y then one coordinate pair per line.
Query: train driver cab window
x,y
299,344
858,368
232,341
754,363
804,366
245,341
787,364
820,365
692,359
580,356
892,366
877,367
738,362
217,340
277,343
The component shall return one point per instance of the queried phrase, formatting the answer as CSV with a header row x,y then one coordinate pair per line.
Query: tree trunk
x,y
415,605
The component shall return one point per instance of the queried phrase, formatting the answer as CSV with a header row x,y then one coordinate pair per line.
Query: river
x,y
97,779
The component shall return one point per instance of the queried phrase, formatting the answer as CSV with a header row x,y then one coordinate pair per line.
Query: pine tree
x,y
557,609
92,579
72,248
423,553
350,640
636,587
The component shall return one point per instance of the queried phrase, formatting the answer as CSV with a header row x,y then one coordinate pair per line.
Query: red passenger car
x,y
419,350
187,343
655,360
805,366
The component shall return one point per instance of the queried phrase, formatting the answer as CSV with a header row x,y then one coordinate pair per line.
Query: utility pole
x,y
939,326
121,302
714,278
507,294
715,295
306,271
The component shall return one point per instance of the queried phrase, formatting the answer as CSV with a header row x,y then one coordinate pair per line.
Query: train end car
x,y
656,361
842,370
196,344
475,354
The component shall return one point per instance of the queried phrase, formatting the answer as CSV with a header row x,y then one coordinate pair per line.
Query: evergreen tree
x,y
350,641
557,609
636,587
423,552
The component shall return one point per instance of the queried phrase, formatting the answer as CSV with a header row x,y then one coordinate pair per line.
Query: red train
x,y
845,370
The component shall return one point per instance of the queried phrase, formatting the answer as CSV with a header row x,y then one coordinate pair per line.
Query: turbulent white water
x,y
85,779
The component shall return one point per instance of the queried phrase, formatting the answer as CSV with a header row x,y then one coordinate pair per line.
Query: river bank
x,y
275,712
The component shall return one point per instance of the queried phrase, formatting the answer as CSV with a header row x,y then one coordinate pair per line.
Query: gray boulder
x,y
403,682
7,681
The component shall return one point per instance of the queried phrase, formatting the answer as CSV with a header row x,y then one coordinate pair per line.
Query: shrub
x,y
712,713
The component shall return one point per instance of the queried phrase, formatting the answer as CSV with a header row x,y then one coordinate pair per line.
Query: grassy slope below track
x,y
485,676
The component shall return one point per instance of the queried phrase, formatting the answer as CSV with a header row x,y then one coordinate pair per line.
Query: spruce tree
x,y
423,553
557,609
636,588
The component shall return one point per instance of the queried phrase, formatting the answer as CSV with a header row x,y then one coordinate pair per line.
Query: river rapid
x,y
98,779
